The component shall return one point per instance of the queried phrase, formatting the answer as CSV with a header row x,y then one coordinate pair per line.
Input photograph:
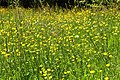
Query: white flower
x,y
76,36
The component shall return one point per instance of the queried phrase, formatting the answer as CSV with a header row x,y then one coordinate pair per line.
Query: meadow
x,y
59,45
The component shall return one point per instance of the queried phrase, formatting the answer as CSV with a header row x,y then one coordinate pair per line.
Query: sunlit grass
x,y
59,45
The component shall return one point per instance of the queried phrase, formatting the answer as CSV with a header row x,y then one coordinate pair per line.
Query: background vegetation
x,y
59,3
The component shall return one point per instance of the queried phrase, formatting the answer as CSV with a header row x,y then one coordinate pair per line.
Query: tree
x,y
4,3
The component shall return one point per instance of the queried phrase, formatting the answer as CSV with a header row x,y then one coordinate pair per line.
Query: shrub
x,y
59,3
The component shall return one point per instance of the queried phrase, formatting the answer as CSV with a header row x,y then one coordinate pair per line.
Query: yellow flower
x,y
7,55
17,50
18,54
23,44
32,57
3,53
48,70
108,65
45,77
105,53
50,77
65,72
67,28
88,60
110,56
106,78
68,72
88,65
100,70
42,29
41,65
92,71
44,74
41,72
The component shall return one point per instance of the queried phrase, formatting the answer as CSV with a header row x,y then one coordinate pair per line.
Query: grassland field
x,y
59,45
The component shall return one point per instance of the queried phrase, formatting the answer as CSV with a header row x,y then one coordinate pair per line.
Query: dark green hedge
x,y
53,3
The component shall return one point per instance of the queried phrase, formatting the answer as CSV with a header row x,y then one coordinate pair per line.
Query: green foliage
x,y
105,2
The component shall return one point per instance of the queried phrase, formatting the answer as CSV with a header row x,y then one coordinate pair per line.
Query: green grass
x,y
70,45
